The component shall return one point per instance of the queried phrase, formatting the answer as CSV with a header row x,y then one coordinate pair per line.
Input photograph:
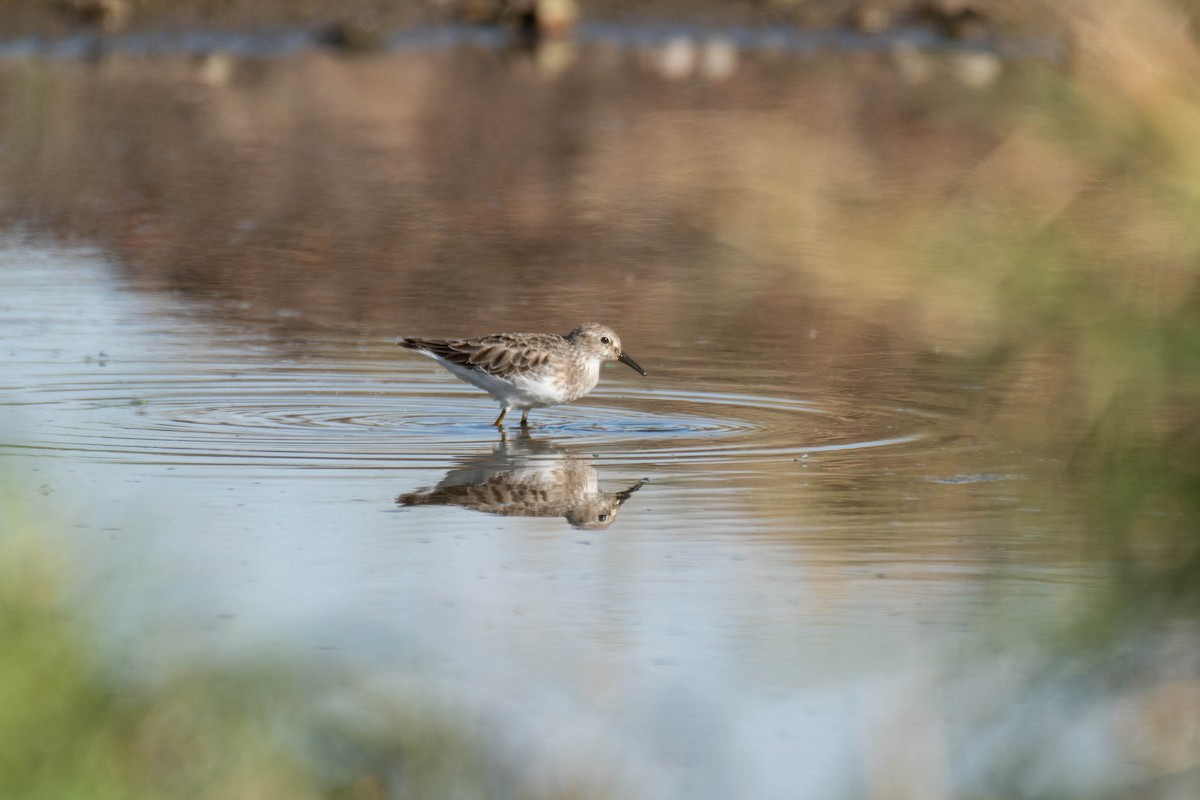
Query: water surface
x,y
777,552
828,534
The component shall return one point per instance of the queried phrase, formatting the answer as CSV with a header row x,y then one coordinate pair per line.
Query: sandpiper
x,y
528,370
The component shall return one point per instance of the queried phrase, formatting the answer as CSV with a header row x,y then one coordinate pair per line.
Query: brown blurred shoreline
x,y
360,24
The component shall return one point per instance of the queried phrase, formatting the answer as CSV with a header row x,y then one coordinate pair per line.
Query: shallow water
x,y
820,523
357,501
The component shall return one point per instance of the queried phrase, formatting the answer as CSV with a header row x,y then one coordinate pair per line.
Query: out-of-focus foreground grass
x,y
1068,262
70,727
1065,262
1100,200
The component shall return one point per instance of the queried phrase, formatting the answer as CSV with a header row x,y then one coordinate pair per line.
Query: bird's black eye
x,y
603,517
605,340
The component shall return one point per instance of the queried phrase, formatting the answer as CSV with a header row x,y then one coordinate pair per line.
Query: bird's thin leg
x,y
500,419
525,419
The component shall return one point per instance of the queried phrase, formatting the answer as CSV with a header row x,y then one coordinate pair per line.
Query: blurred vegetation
x,y
1044,233
1106,269
71,727
955,18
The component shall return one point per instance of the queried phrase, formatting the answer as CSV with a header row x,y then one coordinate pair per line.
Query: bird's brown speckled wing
x,y
501,354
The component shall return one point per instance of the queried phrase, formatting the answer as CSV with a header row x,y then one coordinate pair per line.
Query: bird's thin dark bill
x,y
623,496
624,359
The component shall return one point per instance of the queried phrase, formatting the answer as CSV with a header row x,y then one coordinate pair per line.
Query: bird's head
x,y
602,342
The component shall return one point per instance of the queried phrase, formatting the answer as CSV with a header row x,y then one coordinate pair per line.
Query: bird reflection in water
x,y
527,478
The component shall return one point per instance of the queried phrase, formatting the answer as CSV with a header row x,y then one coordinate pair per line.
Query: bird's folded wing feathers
x,y
500,354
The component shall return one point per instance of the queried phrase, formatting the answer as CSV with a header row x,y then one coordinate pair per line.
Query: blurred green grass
x,y
1089,213
1114,276
72,728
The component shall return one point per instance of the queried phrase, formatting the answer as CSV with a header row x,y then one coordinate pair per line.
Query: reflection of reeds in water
x,y
527,478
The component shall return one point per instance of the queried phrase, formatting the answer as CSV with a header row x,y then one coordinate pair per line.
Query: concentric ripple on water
x,y
313,417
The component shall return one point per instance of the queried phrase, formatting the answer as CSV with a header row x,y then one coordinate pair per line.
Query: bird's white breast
x,y
545,386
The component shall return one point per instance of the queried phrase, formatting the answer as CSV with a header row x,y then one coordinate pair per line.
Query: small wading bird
x,y
528,370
